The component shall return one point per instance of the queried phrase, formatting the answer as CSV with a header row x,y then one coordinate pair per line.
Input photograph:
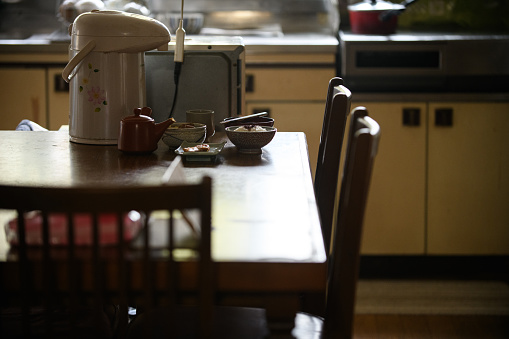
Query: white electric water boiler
x,y
106,71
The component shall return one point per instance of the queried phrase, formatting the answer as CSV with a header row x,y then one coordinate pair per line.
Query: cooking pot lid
x,y
375,6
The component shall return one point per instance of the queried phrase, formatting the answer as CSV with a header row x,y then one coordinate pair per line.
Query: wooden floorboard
x,y
398,326
393,326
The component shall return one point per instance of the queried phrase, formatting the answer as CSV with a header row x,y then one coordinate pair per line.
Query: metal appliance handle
x,y
66,73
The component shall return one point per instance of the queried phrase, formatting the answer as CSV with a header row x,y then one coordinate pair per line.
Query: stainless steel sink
x,y
14,35
56,36
60,35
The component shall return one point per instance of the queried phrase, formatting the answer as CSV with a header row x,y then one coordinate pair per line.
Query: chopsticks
x,y
244,117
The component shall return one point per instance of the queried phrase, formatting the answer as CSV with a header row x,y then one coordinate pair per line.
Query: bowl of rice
x,y
249,139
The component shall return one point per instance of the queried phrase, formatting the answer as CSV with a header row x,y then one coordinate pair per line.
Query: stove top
x,y
412,36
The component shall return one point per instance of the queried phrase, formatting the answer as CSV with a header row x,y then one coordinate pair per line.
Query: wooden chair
x,y
337,108
363,137
84,291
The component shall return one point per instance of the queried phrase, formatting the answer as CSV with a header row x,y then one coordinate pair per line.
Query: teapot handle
x,y
66,73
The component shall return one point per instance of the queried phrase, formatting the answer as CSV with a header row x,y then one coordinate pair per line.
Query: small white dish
x,y
215,149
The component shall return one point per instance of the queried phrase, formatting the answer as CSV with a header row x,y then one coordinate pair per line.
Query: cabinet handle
x,y
411,117
249,83
443,117
60,84
36,109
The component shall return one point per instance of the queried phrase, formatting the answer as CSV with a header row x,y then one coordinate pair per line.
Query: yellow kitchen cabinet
x,y
396,210
304,117
23,96
293,89
468,178
440,187
58,99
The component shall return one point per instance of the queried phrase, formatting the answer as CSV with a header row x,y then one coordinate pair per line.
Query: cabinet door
x,y
296,117
395,214
468,178
295,97
288,84
23,96
58,99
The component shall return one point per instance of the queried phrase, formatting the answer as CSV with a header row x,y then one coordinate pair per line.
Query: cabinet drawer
x,y
295,84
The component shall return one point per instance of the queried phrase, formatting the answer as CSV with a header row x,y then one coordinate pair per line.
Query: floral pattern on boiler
x,y
96,95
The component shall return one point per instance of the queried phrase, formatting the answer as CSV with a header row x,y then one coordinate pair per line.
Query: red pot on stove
x,y
374,17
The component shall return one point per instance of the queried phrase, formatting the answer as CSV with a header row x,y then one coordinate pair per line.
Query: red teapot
x,y
139,133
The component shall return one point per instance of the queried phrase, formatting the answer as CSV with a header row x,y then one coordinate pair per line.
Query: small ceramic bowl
x,y
260,121
192,23
177,133
250,142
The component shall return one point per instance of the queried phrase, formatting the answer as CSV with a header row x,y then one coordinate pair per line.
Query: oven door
x,y
424,64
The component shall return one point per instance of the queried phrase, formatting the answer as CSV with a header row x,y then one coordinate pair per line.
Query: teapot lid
x,y
138,116
117,31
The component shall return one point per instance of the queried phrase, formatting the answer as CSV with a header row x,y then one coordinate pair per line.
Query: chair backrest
x,y
362,146
337,107
61,284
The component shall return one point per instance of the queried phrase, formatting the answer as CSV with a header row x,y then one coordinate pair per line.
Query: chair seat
x,y
229,322
307,326
86,325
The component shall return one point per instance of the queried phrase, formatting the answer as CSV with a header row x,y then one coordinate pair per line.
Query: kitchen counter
x,y
32,46
298,43
289,43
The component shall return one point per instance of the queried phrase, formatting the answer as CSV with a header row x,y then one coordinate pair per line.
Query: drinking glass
x,y
202,116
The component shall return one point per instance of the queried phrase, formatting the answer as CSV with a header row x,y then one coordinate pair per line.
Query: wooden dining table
x,y
266,237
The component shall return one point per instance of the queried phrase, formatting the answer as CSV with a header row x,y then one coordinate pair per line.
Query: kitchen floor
x,y
433,297
420,309
430,308
425,326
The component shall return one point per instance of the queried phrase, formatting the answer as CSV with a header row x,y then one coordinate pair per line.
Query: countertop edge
x,y
298,43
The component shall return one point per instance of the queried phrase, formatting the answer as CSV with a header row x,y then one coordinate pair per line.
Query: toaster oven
x,y
211,77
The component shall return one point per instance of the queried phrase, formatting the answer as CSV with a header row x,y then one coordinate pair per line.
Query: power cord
x,y
178,57
176,77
